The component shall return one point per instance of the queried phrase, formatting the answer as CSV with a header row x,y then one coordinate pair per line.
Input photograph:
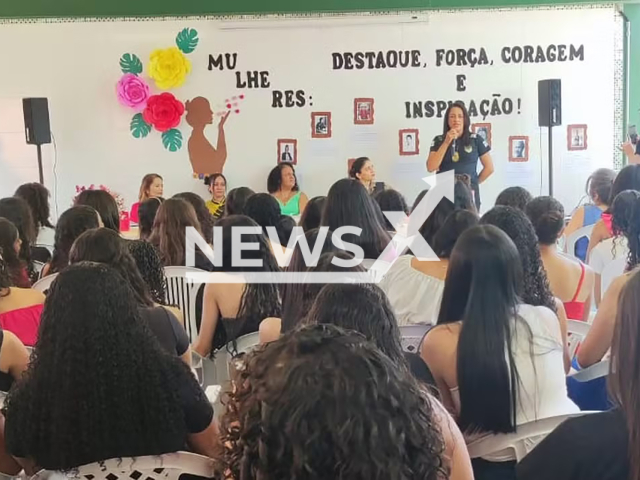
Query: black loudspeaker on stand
x,y
36,126
550,114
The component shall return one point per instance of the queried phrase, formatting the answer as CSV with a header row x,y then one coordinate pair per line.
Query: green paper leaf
x,y
130,63
139,128
187,40
172,140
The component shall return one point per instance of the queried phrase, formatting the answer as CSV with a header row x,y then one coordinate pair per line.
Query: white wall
x,y
75,65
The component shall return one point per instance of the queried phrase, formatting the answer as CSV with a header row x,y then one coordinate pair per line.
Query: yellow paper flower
x,y
169,67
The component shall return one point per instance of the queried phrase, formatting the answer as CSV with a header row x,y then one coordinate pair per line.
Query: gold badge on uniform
x,y
468,148
455,157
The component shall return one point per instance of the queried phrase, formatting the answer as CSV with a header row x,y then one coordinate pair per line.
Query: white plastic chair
x,y
597,370
44,284
516,441
161,467
570,242
577,331
183,293
610,271
411,337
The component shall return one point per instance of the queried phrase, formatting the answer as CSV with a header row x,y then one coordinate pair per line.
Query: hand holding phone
x,y
633,134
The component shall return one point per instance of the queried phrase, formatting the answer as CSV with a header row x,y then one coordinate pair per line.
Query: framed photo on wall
x,y
483,130
363,112
519,149
576,137
409,141
320,124
288,150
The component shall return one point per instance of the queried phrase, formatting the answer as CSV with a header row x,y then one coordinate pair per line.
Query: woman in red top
x,y
570,280
152,186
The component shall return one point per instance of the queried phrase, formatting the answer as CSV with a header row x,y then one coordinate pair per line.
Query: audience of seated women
x,y
168,235
37,196
147,212
17,211
627,179
100,382
152,186
217,184
349,204
536,290
598,188
312,214
71,224
601,446
202,212
105,246
516,197
414,286
598,340
390,200
103,203
326,401
231,310
365,309
570,280
283,185
236,199
498,362
10,249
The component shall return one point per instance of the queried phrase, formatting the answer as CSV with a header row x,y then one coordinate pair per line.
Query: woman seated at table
x,y
363,171
152,186
218,189
283,185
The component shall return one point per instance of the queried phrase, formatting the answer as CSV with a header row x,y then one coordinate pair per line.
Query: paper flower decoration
x,y
133,92
163,112
169,67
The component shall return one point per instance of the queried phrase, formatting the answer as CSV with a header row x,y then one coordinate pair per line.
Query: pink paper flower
x,y
133,92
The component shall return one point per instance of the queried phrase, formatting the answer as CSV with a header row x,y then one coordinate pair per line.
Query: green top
x,y
292,207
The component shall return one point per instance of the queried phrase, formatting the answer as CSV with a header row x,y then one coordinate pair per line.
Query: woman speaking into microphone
x,y
459,150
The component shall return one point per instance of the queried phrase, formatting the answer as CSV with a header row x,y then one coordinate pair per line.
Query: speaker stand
x,y
39,149
550,144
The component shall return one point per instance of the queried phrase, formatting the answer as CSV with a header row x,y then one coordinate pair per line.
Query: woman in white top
x,y
414,287
498,363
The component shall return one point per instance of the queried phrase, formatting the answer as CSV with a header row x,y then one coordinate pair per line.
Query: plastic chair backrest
x,y
570,243
516,441
183,293
611,270
158,467
44,284
411,337
597,370
577,331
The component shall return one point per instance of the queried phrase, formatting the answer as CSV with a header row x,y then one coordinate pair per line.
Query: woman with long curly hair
x,y
105,246
323,403
202,212
151,269
231,310
535,284
10,249
71,224
37,196
17,211
99,385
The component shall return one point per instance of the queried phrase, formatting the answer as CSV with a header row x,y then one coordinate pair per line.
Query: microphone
x,y
453,147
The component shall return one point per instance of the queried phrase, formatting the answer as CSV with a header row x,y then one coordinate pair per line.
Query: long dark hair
x,y
519,229
600,183
391,200
17,211
482,290
465,139
547,216
150,267
274,180
516,197
455,225
37,196
626,221
97,368
236,200
305,405
312,215
259,300
71,224
5,278
168,234
105,246
627,179
263,209
349,204
147,212
624,383
356,167
202,212
104,203
14,267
